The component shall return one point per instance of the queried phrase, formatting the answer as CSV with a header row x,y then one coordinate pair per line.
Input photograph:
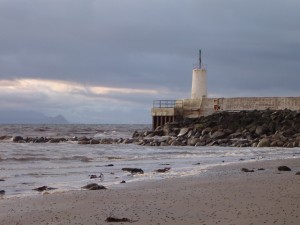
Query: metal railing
x,y
167,103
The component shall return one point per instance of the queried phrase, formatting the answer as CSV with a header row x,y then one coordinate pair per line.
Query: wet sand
x,y
223,195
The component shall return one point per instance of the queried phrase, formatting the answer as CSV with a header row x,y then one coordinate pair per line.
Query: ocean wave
x,y
73,158
27,159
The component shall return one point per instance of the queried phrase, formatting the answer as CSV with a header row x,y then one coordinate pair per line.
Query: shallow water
x,y
67,166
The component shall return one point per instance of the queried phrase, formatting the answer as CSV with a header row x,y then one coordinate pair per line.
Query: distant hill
x,y
29,117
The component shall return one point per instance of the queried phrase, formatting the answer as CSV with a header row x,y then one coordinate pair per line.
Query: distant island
x,y
29,117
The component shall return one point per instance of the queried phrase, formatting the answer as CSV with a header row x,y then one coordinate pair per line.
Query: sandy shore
x,y
224,195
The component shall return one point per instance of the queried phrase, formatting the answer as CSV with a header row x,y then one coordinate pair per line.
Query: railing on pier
x,y
167,103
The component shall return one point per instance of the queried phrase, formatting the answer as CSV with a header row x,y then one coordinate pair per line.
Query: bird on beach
x,y
101,176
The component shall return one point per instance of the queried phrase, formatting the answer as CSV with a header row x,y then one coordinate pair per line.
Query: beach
x,y
222,195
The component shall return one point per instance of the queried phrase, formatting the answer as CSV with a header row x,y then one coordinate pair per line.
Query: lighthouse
x,y
199,87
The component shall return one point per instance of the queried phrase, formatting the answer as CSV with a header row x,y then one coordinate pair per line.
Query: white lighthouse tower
x,y
199,88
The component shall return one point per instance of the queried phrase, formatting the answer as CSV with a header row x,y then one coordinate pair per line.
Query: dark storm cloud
x,y
251,47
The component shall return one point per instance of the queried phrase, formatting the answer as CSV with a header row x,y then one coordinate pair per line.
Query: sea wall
x,y
260,103
195,108
207,106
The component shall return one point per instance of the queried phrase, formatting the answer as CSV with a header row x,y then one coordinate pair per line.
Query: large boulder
x,y
183,132
261,130
218,135
284,168
193,141
205,131
17,138
265,142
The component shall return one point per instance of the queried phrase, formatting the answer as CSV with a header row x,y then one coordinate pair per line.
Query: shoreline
x,y
222,195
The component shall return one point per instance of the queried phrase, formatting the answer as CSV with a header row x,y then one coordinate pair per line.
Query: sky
x,y
105,61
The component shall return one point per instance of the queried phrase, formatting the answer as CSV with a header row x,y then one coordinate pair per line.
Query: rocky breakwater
x,y
237,129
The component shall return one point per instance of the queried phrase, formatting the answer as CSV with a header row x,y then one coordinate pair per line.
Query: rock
x,y
290,145
261,169
200,143
107,141
158,133
94,186
109,165
94,142
247,170
133,170
83,138
83,142
123,182
43,188
93,176
205,131
260,130
176,143
166,169
3,137
54,140
190,134
98,187
194,141
114,219
183,132
218,135
2,180
265,142
296,144
135,134
284,168
128,141
236,135
17,138
197,134
254,144
164,143
298,173
2,192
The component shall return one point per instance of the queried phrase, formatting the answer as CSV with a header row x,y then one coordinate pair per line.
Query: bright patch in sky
x,y
57,86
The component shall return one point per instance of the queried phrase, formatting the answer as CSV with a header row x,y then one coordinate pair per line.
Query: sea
x,y
67,166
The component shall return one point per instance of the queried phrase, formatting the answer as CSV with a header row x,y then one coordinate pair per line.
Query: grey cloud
x,y
250,47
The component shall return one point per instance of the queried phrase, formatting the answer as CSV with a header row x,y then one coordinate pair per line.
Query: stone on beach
x,y
247,170
133,170
43,188
166,169
114,219
94,186
284,168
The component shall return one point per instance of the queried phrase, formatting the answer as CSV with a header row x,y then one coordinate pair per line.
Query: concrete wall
x,y
260,103
207,106
163,111
193,108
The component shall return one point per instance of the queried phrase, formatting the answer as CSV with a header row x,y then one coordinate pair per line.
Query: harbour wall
x,y
192,108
